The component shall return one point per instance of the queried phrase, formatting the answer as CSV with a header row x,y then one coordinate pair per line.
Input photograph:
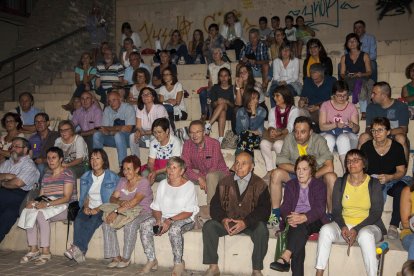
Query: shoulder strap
x,y
18,110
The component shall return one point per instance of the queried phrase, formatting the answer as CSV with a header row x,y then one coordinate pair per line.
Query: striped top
x,y
109,75
53,186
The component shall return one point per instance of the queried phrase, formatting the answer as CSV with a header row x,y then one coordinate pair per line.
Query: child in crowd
x,y
264,31
290,32
303,34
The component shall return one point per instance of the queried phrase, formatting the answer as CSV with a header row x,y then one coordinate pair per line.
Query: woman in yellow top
x,y
357,204
406,210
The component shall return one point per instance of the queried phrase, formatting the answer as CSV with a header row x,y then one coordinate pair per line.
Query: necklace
x,y
381,149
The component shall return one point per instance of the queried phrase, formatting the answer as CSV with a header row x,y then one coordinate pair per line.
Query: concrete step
x,y
55,88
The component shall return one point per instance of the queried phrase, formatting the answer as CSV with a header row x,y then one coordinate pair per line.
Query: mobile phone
x,y
157,229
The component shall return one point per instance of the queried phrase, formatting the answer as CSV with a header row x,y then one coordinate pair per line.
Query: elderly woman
x,y
281,119
356,70
178,49
173,211
161,149
304,205
406,211
339,121
357,208
132,191
141,79
165,61
12,123
250,122
96,188
74,148
387,163
148,109
171,94
286,72
232,31
316,53
58,188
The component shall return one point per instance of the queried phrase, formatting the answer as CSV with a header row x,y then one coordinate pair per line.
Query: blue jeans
x,y
374,70
408,244
10,200
84,228
204,95
41,167
120,141
394,189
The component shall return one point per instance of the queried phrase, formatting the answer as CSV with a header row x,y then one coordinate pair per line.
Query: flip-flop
x,y
44,258
30,256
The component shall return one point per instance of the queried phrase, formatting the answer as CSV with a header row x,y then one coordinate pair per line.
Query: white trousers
x,y
367,237
266,148
343,142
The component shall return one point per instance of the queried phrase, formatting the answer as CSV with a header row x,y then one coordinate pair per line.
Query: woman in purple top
x,y
304,205
132,190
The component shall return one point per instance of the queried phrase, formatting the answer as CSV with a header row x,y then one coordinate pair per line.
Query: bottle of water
x,y
181,61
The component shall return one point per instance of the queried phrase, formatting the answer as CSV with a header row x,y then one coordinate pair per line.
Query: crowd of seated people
x,y
141,107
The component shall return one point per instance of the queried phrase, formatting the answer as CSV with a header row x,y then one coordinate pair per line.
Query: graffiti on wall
x,y
323,12
393,8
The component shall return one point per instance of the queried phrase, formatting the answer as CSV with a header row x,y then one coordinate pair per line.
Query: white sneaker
x,y
207,128
220,139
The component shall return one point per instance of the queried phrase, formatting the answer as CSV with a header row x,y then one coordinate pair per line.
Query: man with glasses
x,y
88,118
17,176
395,111
205,162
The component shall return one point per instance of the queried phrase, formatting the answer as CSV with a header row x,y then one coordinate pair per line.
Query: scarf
x,y
282,118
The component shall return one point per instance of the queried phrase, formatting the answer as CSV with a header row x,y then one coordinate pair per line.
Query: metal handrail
x,y
13,59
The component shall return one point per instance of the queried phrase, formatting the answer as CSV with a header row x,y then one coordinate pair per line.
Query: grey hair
x,y
24,141
218,49
177,160
254,31
317,67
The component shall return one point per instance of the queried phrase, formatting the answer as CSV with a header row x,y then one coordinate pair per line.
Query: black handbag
x,y
73,210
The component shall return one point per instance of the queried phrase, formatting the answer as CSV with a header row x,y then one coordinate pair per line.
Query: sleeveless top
x,y
358,66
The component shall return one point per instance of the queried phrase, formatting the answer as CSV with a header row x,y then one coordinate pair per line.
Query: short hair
x,y
287,96
340,86
140,103
317,67
90,58
57,150
132,159
349,37
124,26
263,19
173,74
44,115
311,162
163,123
142,71
228,72
248,95
196,123
177,160
213,25
251,157
219,50
28,94
135,53
25,142
115,92
381,121
289,17
385,88
359,22
104,157
254,31
16,118
360,154
408,70
128,39
286,45
303,119
408,268
300,17
275,18
67,122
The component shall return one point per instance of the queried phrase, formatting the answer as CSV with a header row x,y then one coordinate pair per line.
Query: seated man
x,y
135,63
255,54
41,141
117,123
302,141
110,74
27,112
88,118
241,204
204,160
384,106
17,176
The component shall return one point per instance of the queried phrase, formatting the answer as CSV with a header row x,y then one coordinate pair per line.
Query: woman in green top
x,y
407,92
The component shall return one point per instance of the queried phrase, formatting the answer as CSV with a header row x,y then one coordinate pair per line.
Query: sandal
x,y
148,267
44,258
178,269
30,256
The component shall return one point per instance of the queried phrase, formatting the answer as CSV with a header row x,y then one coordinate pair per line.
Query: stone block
x,y
407,46
402,61
387,47
397,79
386,63
192,71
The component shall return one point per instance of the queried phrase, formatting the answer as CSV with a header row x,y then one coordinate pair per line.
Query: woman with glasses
x,y
12,123
316,53
141,79
389,166
338,121
357,204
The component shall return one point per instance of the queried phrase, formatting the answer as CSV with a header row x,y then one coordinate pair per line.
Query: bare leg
x,y
319,272
329,180
222,121
278,177
365,137
265,77
217,111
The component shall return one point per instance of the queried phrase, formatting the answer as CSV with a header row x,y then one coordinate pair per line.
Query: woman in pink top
x,y
338,121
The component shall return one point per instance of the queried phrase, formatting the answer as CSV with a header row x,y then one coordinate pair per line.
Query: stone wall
x,y
331,19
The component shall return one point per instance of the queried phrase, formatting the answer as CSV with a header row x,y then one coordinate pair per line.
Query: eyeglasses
x,y
313,46
17,147
341,96
39,122
146,94
353,161
64,129
378,130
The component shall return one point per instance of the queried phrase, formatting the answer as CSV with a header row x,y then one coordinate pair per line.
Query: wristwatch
x,y
48,204
116,211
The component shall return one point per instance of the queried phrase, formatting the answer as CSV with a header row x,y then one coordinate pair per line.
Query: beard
x,y
14,156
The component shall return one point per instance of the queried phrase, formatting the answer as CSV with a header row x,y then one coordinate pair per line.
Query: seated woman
x,y
250,122
281,119
127,32
222,101
356,71
128,49
141,79
171,94
339,121
148,109
304,205
357,208
96,188
59,188
316,53
173,211
162,148
407,92
178,49
279,39
406,211
165,61
12,123
389,166
195,47
74,148
285,72
132,191
232,31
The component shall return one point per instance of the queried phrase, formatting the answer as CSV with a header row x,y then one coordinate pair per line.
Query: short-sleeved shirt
x,y
290,34
147,118
217,92
261,53
213,70
109,75
75,150
157,71
397,113
334,115
88,119
54,185
25,169
125,112
143,187
39,146
173,95
172,148
318,94
81,72
27,117
129,72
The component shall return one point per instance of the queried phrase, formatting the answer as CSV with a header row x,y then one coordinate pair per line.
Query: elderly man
x,y
241,204
135,63
204,160
41,141
117,123
302,141
27,111
384,106
368,45
255,54
88,118
108,75
17,176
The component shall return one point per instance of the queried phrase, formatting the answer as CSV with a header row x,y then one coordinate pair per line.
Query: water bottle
x,y
181,61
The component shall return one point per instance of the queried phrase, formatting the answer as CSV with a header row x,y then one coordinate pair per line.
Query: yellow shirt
x,y
311,61
406,232
356,203
302,150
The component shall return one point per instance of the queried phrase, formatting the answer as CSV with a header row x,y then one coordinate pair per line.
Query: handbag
x,y
229,140
73,210
281,243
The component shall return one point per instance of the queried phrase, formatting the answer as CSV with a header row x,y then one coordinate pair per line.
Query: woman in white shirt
x,y
126,31
232,31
